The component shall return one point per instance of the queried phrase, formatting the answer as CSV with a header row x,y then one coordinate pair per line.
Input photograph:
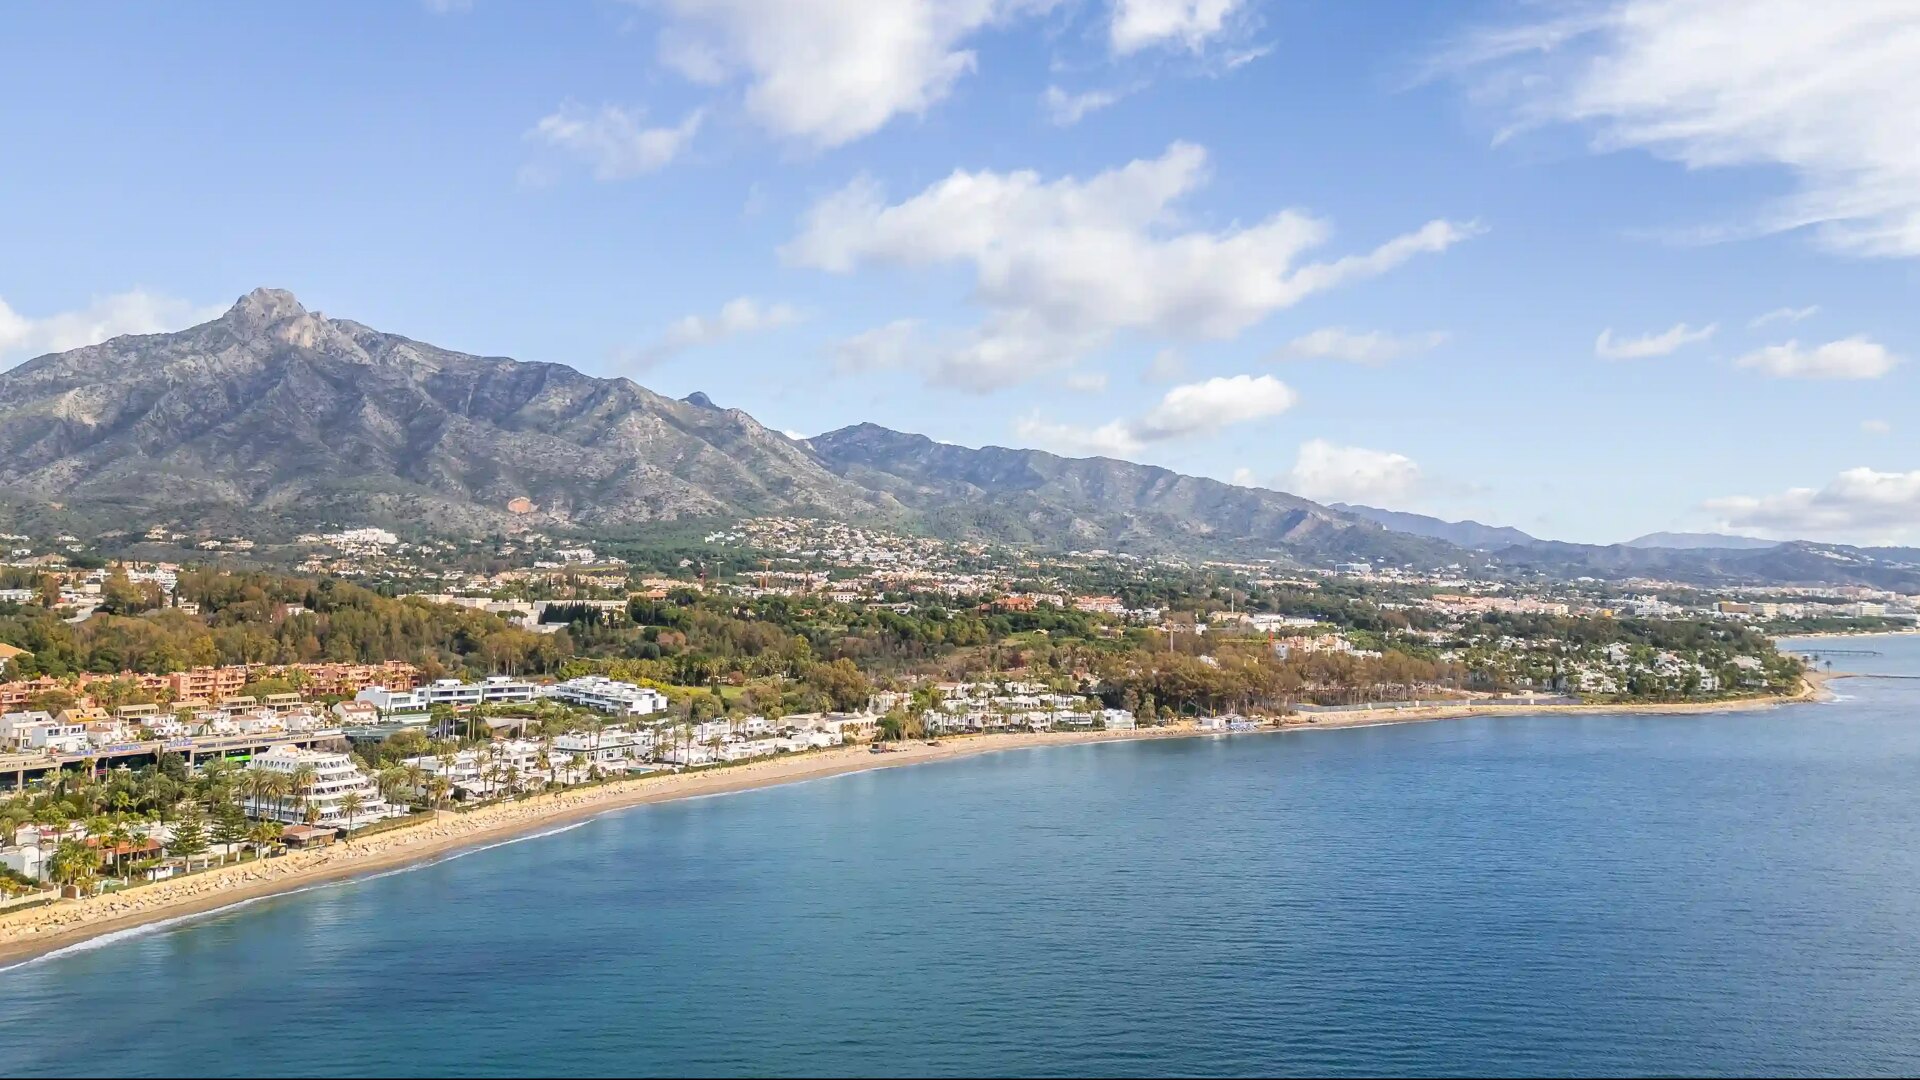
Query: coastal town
x,y
166,716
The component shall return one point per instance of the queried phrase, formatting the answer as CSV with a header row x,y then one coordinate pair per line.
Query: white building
x,y
495,689
392,703
497,768
606,747
609,696
334,776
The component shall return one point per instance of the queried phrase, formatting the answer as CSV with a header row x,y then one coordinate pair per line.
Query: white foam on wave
x,y
162,925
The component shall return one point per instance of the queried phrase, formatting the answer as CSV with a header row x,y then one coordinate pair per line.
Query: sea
x,y
1554,894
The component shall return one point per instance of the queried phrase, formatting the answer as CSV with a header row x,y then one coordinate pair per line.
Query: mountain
x,y
1466,534
1700,541
272,410
1796,562
1036,497
273,415
274,407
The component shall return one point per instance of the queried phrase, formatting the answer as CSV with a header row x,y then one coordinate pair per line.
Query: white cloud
x,y
1108,440
614,141
1240,58
1062,265
1168,365
1244,477
1661,344
794,435
737,317
1185,411
1823,90
1371,347
1856,502
1215,403
1785,314
827,72
879,349
1087,382
1876,427
1065,110
1326,472
1849,358
1188,24
135,311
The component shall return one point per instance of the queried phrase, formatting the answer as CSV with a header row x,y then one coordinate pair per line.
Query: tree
x,y
351,804
302,781
74,863
264,835
229,827
189,834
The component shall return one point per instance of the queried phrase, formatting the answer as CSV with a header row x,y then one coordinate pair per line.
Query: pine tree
x,y
229,825
189,834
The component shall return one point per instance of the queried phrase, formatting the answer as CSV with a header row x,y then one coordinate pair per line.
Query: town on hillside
x,y
174,701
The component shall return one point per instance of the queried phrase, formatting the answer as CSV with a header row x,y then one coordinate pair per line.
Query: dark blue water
x,y
1736,893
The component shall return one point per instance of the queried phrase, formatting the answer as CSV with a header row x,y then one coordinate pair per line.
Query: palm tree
x,y
416,775
351,804
389,781
120,838
264,834
302,779
438,788
73,863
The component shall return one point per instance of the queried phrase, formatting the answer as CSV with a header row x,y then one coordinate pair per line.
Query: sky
x,y
1588,269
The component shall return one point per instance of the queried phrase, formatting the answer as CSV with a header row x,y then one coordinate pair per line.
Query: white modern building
x,y
334,776
606,747
495,689
609,696
394,703
496,769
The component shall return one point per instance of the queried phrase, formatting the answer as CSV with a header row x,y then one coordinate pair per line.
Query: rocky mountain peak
x,y
264,307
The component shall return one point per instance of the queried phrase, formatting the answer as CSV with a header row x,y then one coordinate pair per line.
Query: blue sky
x,y
1358,251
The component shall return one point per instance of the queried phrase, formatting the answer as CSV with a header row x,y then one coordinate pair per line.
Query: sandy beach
x,y
28,933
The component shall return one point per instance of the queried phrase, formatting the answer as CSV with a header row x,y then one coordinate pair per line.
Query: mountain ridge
x,y
1467,534
271,406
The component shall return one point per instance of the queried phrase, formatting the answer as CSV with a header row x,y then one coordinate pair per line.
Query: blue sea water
x,y
1728,893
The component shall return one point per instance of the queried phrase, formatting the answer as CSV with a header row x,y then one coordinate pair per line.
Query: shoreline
x,y
1813,634
32,933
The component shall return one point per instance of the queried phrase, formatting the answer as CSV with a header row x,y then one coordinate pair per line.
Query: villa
x,y
609,696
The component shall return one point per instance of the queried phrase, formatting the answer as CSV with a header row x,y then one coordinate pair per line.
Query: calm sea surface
x,y
1733,893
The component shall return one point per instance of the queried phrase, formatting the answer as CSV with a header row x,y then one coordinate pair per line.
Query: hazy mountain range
x,y
275,414
1472,534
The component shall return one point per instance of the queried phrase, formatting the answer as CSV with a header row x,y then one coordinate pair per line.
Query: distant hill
x,y
1681,541
274,410
1467,534
1796,562
1036,497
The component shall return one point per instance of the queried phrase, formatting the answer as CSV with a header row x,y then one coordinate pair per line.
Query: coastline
x,y
35,932
1824,634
